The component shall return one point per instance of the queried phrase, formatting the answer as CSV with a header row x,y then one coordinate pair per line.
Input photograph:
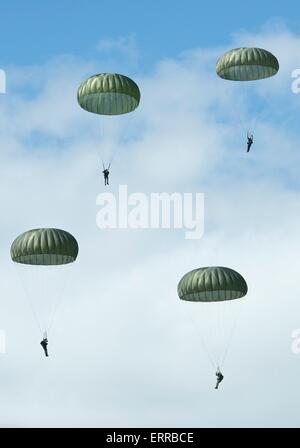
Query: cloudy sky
x,y
123,352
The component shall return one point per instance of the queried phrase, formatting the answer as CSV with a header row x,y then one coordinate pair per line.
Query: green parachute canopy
x,y
44,247
247,64
212,284
109,94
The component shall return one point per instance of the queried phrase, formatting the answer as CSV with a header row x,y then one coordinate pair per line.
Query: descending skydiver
x,y
44,344
219,378
249,141
106,174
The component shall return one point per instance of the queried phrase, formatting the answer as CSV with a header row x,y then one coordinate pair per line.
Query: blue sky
x,y
132,346
32,31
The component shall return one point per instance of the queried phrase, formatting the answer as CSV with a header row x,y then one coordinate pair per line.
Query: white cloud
x,y
124,46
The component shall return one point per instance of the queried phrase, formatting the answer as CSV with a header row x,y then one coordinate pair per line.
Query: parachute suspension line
x,y
39,278
253,125
217,311
27,295
114,153
212,360
245,119
257,113
220,328
99,143
240,120
59,301
106,161
115,145
230,337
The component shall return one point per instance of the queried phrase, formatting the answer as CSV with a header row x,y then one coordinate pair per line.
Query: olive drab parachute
x,y
109,94
212,298
247,64
42,257
212,284
44,247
